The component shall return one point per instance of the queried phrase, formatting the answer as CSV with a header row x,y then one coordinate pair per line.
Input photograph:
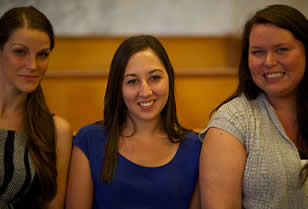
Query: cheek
x,y
253,69
296,62
124,96
251,63
43,66
9,64
254,65
164,88
8,68
128,96
162,92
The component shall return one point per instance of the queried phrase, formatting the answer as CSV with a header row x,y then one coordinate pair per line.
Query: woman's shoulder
x,y
63,137
190,148
238,116
242,104
191,135
62,126
90,139
238,102
91,129
63,129
193,140
238,109
90,134
231,117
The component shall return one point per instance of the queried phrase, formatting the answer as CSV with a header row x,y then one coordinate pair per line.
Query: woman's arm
x,y
63,155
80,186
222,164
195,201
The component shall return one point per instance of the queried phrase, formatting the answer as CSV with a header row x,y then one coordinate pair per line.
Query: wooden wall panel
x,y
81,100
77,77
196,97
95,53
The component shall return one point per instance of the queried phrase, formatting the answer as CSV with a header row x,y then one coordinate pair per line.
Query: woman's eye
x,y
132,81
20,51
282,50
257,52
155,77
43,54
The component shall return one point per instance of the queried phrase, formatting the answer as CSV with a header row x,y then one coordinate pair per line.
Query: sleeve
x,y
232,117
195,145
196,142
81,140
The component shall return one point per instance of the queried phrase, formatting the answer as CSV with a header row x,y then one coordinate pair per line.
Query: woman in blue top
x,y
139,156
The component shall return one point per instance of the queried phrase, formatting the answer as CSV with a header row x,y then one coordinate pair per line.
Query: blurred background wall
x,y
159,17
202,38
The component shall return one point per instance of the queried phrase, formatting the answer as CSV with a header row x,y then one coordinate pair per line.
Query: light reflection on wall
x,y
159,17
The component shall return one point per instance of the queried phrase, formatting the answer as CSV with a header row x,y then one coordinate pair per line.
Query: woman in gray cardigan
x,y
254,144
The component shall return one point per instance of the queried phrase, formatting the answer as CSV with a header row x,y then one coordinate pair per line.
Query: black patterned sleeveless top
x,y
19,185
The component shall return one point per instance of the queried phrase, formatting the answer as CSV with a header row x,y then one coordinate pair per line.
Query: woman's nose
x,y
270,59
145,89
31,63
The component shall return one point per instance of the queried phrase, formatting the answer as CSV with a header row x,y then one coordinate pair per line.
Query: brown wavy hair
x,y
38,121
115,110
291,19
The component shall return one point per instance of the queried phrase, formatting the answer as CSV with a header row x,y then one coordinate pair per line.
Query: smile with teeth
x,y
146,104
273,75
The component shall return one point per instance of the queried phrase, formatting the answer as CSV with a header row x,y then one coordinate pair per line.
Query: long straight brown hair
x,y
38,122
40,129
115,110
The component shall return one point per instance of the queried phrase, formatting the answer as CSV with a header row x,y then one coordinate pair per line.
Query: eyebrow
x,y
19,44
152,71
276,45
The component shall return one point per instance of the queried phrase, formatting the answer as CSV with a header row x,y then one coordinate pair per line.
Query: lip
x,y
29,77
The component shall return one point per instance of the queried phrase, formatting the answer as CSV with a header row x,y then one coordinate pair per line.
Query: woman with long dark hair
x,y
35,145
139,156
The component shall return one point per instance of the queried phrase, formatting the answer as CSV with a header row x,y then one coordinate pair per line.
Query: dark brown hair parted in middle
x,y
290,19
38,121
115,110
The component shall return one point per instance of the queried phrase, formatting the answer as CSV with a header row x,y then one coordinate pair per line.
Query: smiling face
x,y
276,60
24,60
145,87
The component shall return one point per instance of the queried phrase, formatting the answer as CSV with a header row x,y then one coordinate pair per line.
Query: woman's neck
x,y
286,111
284,104
144,128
